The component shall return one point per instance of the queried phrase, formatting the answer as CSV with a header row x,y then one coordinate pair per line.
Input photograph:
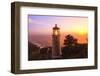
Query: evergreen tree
x,y
70,40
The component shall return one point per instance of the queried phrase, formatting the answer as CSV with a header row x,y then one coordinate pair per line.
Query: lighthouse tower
x,y
56,50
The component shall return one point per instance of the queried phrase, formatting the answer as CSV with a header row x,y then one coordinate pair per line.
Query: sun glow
x,y
81,30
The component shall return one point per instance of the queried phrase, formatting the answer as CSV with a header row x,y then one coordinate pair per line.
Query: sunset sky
x,y
40,28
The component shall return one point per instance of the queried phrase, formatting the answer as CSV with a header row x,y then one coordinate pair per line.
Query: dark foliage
x,y
70,40
33,51
72,49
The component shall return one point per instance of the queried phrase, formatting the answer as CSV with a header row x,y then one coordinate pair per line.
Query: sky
x,y
40,28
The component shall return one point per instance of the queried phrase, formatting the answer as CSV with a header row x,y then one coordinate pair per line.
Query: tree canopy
x,y
70,40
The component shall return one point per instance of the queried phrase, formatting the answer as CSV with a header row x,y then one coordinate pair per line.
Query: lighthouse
x,y
56,50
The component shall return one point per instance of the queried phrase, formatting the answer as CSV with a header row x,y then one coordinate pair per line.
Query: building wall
x,y
56,49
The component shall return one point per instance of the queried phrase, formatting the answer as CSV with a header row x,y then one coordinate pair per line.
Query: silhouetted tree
x,y
73,49
70,40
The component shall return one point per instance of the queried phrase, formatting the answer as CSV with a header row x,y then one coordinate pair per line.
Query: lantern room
x,y
56,30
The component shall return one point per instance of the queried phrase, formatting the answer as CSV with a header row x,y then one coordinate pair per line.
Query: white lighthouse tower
x,y
56,50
